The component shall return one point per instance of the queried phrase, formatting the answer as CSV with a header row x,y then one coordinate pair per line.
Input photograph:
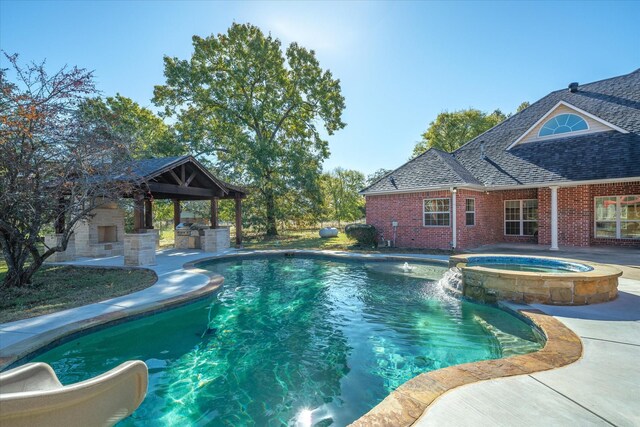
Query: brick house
x,y
564,171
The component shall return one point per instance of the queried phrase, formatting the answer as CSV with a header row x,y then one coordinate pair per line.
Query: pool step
x,y
510,344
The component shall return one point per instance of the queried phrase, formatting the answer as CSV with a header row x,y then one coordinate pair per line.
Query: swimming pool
x,y
289,340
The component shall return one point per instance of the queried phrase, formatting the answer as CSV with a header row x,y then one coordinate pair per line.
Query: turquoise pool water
x,y
293,341
530,264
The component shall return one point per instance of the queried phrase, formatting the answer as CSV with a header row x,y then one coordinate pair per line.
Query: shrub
x,y
364,234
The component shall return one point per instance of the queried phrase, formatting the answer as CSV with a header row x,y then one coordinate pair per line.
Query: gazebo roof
x,y
183,178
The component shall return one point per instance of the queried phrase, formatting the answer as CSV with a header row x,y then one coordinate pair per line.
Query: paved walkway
x,y
173,281
602,388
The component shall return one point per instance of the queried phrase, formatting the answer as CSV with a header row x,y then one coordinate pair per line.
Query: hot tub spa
x,y
527,279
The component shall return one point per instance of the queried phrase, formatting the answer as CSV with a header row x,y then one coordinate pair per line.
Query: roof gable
x,y
432,169
594,124
182,177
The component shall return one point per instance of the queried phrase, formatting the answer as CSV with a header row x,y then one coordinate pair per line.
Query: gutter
x,y
482,188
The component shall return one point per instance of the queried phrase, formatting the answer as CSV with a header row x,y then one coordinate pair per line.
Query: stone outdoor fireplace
x,y
107,233
102,234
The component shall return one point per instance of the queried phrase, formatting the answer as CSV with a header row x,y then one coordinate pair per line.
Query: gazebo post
x,y
148,214
214,212
138,212
238,220
176,213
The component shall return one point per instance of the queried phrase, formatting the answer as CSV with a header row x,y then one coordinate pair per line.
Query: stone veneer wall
x,y
139,249
572,288
216,239
86,232
52,240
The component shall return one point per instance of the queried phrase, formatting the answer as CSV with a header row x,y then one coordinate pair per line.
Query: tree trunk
x,y
16,254
272,228
19,277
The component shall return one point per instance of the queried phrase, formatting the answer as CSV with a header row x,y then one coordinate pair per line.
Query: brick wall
x,y
575,217
575,208
617,189
407,209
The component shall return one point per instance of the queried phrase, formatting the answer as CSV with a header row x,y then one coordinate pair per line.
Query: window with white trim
x,y
437,212
563,123
521,217
470,211
617,217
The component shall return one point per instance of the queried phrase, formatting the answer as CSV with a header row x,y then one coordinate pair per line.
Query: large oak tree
x,y
148,135
451,130
257,107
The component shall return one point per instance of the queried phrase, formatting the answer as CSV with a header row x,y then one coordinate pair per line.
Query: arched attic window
x,y
563,123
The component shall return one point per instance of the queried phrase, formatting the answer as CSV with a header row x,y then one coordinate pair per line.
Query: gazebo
x,y
175,178
181,178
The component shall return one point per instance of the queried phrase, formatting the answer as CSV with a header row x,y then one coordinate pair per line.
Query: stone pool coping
x,y
488,284
404,405
599,271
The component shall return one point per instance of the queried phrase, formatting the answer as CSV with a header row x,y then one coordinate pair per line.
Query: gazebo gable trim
x,y
170,168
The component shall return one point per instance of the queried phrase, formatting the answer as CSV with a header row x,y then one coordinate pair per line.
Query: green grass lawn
x,y
300,239
56,288
309,239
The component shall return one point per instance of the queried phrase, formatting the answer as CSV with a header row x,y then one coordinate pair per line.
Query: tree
x,y
342,199
54,167
257,108
451,130
376,175
522,106
148,135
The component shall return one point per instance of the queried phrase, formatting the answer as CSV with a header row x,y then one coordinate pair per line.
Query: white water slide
x,y
32,395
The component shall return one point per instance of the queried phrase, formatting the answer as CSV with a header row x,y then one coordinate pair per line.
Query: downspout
x,y
454,224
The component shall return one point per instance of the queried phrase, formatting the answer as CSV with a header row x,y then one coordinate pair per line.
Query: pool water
x,y
292,341
525,267
531,264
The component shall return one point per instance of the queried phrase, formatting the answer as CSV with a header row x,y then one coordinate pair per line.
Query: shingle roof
x,y
604,155
433,168
147,167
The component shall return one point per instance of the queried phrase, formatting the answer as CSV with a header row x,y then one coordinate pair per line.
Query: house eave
x,y
471,187
481,188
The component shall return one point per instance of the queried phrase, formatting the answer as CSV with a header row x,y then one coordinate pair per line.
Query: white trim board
x,y
482,189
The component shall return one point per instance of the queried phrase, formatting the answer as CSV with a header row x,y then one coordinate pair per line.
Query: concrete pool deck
x,y
599,389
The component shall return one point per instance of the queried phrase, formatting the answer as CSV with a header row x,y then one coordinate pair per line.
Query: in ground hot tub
x,y
536,279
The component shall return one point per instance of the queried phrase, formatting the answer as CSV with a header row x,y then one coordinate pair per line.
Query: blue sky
x,y
400,63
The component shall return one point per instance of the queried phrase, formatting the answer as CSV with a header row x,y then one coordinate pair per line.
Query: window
x,y
563,123
436,212
521,217
470,211
617,217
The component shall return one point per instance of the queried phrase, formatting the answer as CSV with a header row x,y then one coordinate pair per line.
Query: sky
x,y
399,63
